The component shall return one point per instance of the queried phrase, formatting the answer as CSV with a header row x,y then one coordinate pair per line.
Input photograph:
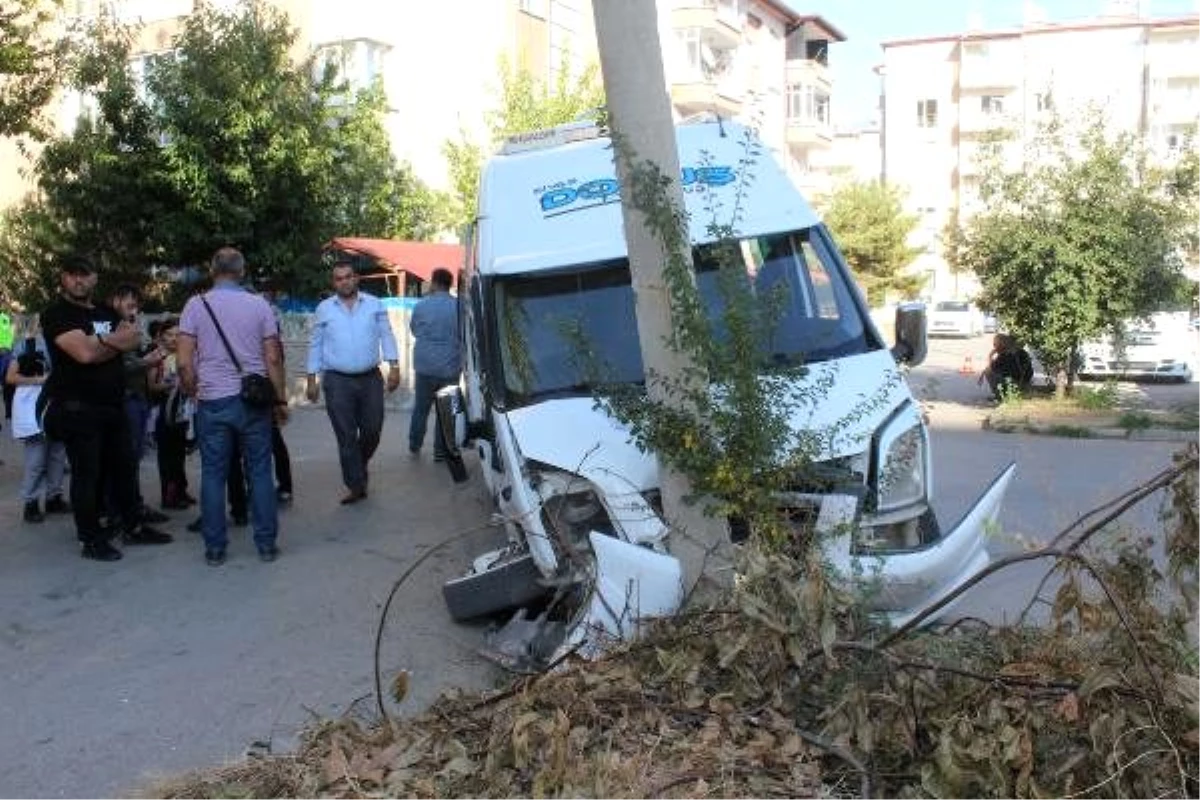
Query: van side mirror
x,y
912,343
452,423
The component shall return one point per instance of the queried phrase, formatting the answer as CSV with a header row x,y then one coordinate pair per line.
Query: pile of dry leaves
x,y
782,689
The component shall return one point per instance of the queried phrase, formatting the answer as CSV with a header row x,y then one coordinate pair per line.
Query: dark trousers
x,y
98,445
283,460
172,461
355,407
424,393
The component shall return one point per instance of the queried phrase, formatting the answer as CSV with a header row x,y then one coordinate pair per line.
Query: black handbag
x,y
257,390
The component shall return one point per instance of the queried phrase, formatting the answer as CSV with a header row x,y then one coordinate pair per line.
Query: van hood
x,y
839,403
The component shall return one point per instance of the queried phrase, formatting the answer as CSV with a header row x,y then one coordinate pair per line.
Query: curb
x,y
1065,429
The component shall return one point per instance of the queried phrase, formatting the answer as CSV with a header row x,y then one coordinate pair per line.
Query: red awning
x,y
415,258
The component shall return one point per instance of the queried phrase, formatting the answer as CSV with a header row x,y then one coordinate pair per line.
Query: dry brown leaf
x,y
336,767
1068,708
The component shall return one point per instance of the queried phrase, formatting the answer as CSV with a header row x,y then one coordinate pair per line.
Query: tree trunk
x,y
640,116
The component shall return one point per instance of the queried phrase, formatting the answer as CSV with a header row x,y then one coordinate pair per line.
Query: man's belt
x,y
363,374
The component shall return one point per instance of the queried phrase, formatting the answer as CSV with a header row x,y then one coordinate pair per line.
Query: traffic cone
x,y
967,368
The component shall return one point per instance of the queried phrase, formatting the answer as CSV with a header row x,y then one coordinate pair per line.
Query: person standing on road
x,y
83,402
45,459
126,302
437,357
350,334
208,373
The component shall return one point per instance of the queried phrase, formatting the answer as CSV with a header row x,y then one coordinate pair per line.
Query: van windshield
x,y
562,332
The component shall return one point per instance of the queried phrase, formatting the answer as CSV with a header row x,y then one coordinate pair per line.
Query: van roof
x,y
554,204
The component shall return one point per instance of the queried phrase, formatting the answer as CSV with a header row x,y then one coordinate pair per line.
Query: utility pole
x,y
640,117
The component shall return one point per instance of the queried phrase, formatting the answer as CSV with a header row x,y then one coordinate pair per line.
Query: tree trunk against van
x,y
643,131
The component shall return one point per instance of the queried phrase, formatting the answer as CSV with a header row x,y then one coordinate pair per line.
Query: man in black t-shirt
x,y
84,407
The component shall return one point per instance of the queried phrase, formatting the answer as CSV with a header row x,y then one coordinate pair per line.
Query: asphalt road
x,y
113,673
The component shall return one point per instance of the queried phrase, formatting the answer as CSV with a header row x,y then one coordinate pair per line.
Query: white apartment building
x,y
942,94
759,62
753,60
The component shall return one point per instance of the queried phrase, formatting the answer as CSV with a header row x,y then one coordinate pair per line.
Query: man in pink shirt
x,y
207,372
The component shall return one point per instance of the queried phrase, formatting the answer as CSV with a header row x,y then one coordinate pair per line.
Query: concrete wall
x,y
296,329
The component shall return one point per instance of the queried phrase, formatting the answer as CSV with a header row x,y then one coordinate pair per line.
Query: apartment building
x,y
436,61
942,95
759,62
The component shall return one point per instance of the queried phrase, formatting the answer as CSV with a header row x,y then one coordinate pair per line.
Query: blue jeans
x,y
217,423
424,392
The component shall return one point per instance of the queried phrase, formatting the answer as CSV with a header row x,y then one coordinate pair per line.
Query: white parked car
x,y
955,318
1162,346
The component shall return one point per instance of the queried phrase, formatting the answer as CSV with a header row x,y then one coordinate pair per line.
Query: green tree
x,y
868,220
229,140
1086,235
31,63
526,103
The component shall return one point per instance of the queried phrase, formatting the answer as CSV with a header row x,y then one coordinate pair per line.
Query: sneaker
x,y
268,554
101,551
214,558
144,534
283,496
58,505
148,514
33,513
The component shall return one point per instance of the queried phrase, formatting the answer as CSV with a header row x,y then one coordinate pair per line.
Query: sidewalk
x,y
159,662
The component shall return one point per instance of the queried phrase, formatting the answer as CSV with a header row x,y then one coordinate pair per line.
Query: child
x,y
45,459
172,420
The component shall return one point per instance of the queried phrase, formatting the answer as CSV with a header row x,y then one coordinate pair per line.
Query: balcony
x,y
694,95
974,122
718,22
805,134
979,74
807,72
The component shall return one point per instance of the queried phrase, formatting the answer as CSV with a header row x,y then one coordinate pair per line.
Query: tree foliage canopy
x,y
1086,235
526,103
868,220
229,140
31,62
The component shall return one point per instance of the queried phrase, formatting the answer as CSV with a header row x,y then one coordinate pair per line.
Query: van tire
x,y
512,581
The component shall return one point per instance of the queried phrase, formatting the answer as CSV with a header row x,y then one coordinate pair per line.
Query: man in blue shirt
x,y
350,331
437,355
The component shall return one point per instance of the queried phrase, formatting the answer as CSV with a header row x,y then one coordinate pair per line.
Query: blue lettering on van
x,y
566,196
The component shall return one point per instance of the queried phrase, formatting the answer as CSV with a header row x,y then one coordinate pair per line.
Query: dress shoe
x,y
268,554
353,496
214,558
101,551
194,525
148,514
144,534
32,513
57,505
189,500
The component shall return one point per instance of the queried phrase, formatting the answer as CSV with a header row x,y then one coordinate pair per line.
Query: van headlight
x,y
901,463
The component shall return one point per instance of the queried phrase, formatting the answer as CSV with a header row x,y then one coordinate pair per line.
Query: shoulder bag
x,y
257,390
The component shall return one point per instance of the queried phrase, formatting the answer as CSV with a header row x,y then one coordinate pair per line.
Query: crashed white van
x,y
546,270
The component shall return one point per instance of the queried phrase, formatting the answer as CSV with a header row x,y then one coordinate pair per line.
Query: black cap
x,y
76,265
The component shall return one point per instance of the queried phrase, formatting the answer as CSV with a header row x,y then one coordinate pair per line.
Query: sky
x,y
867,23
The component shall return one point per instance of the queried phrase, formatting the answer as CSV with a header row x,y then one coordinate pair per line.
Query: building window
x,y
927,113
807,105
689,38
359,62
992,104
1043,102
